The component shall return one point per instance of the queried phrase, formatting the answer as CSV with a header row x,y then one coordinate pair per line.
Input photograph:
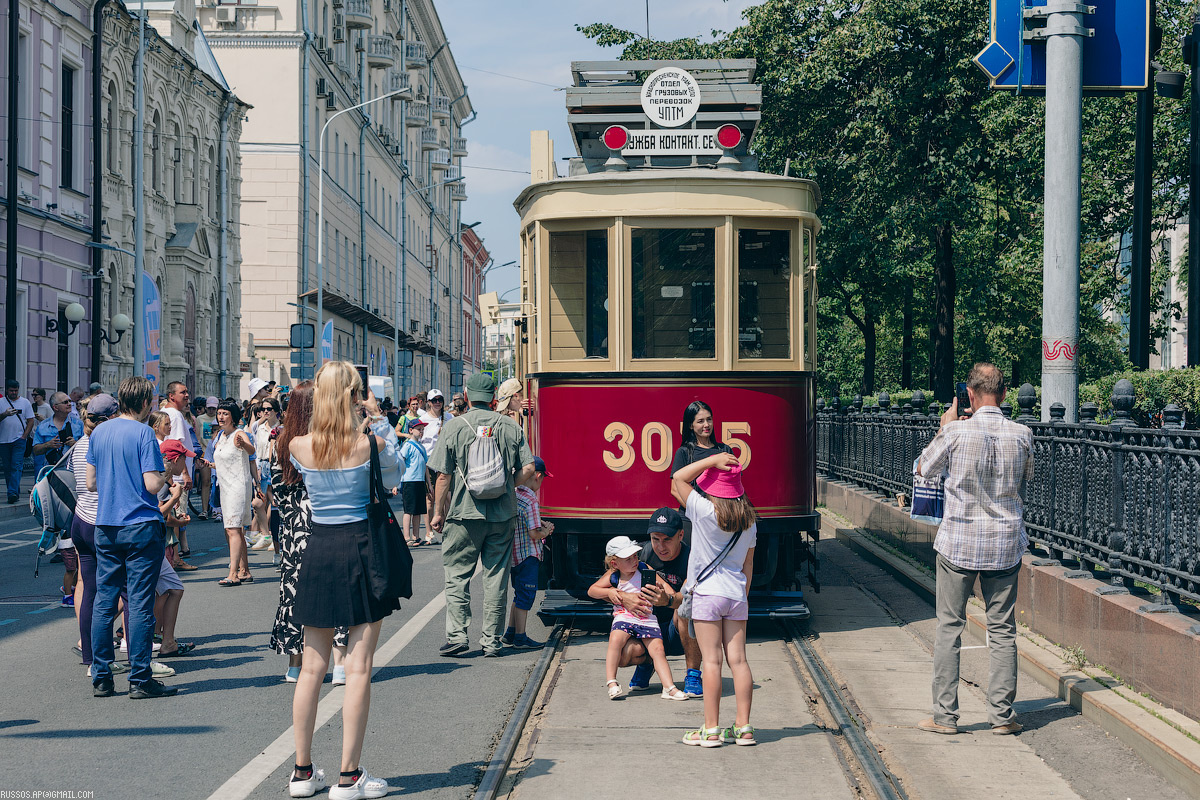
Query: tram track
x,y
862,762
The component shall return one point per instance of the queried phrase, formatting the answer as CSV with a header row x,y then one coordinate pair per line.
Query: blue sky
x,y
531,45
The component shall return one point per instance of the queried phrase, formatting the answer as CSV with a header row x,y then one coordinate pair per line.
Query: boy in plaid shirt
x,y
527,556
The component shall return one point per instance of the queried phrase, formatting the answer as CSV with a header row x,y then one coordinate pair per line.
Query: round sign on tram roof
x,y
671,97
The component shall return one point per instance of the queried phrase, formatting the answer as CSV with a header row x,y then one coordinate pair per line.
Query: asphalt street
x,y
433,723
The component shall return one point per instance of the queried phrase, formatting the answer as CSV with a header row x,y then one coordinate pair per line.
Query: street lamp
x,y
120,324
73,314
321,208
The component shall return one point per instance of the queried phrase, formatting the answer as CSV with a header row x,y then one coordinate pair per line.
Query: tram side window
x,y
674,308
764,280
578,295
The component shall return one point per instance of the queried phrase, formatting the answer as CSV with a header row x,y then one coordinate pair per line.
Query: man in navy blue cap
x,y
668,555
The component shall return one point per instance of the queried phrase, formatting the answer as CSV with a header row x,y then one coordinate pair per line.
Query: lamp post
x,y
321,215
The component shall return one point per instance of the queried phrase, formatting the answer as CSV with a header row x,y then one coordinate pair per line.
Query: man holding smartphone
x,y
988,460
16,423
53,436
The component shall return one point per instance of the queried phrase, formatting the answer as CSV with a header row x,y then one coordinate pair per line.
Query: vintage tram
x,y
662,269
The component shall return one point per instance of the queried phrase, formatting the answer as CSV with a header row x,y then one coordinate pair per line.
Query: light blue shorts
x,y
714,608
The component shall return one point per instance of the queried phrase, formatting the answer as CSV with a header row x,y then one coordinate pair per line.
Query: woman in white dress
x,y
233,459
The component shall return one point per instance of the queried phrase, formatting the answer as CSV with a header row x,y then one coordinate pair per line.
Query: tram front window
x,y
674,305
764,281
578,295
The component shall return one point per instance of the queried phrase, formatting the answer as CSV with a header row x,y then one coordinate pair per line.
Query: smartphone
x,y
362,376
64,433
964,400
649,577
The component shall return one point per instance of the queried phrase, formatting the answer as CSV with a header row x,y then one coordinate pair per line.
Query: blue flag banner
x,y
327,342
152,329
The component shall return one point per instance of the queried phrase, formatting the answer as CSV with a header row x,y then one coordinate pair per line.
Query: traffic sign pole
x,y
1193,290
1064,34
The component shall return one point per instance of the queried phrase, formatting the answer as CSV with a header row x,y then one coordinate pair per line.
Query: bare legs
x,y
238,564
612,658
724,640
360,654
411,528
658,655
517,618
166,612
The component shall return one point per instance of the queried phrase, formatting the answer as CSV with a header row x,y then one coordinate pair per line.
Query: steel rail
x,y
884,784
497,768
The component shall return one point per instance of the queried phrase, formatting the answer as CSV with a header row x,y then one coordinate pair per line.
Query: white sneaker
x,y
154,648
339,676
160,670
366,786
309,787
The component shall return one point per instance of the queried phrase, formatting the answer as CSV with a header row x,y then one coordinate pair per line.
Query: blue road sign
x,y
302,373
302,357
1115,59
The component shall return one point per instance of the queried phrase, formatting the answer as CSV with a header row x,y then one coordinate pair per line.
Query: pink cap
x,y
717,483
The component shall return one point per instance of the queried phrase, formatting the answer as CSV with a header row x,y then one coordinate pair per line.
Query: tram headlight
x,y
729,136
615,137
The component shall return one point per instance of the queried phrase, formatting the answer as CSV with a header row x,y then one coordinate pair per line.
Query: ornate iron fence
x,y
1121,500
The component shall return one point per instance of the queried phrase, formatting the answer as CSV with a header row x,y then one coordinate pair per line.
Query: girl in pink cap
x,y
719,569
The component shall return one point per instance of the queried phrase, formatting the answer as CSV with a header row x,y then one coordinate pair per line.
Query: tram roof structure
x,y
606,93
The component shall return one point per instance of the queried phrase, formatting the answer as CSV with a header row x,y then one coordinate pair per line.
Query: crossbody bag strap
x,y
707,572
376,470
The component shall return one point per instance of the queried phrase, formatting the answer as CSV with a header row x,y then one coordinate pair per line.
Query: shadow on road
x,y
102,733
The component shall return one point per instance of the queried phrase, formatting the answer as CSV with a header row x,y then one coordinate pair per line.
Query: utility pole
x,y
12,273
1064,34
1193,291
1139,277
140,334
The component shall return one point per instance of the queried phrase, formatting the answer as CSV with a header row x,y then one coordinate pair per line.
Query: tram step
x,y
559,606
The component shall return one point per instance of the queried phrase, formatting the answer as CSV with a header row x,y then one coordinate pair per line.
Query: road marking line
x,y
50,607
18,533
280,751
6,621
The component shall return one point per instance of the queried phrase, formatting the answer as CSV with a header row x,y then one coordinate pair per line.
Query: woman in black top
x,y
699,436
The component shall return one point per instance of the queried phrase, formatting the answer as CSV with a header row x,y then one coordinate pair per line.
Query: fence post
x,y
1026,400
1122,404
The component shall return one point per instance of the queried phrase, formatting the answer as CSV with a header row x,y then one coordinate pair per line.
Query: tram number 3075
x,y
657,455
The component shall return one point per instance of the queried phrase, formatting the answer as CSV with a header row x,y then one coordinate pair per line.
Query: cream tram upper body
x,y
704,269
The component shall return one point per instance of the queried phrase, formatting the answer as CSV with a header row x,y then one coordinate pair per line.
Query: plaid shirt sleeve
x,y
935,458
529,517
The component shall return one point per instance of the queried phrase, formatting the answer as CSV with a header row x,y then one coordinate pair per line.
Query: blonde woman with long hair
x,y
332,590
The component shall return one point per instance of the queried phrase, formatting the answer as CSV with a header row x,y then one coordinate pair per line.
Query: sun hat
x,y
621,547
103,405
717,483
505,393
256,386
480,387
665,520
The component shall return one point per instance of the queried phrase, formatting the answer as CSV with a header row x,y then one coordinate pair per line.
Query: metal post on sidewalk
x,y
1064,34
1139,277
1193,292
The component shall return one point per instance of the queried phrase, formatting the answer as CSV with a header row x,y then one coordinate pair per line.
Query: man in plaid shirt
x,y
988,461
527,556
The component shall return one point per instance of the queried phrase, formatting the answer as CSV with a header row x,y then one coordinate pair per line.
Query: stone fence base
x,y
1153,652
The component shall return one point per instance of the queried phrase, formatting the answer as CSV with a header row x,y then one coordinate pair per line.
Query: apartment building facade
x,y
352,209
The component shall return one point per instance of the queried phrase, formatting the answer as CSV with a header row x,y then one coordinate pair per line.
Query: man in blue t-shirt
x,y
125,466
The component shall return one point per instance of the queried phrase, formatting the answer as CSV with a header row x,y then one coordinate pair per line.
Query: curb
x,y
1140,724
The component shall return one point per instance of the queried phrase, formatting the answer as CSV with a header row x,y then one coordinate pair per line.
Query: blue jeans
x,y
525,582
12,459
129,555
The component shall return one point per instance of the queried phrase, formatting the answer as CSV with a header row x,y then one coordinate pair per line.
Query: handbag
x,y
928,497
685,605
390,566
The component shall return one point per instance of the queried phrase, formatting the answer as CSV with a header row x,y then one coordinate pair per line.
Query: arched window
x,y
156,152
212,185
193,173
176,145
110,122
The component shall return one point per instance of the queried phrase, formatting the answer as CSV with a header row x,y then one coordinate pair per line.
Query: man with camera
x,y
53,436
988,461
16,422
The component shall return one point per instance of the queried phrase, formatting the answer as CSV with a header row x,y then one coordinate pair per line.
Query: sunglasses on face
x,y
438,400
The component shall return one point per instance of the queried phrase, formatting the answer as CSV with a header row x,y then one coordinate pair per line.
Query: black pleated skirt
x,y
333,586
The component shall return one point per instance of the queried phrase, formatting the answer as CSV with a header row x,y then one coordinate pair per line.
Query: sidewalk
x,y
20,509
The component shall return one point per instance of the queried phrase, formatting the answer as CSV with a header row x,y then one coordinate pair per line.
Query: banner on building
x,y
152,329
383,365
327,342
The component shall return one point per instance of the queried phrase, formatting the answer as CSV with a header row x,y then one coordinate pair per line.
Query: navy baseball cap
x,y
540,466
665,520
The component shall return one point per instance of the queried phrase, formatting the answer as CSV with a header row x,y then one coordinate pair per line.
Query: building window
x,y
156,152
674,309
111,134
176,164
67,128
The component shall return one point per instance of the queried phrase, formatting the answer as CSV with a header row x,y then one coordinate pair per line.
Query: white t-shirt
x,y
12,426
44,412
708,540
433,427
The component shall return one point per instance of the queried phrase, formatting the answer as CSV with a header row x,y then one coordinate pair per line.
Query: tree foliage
x,y
932,185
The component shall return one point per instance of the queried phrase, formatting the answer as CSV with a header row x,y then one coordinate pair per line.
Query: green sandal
x,y
704,737
743,736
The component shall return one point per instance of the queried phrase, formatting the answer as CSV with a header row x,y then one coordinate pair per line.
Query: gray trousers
x,y
464,544
999,588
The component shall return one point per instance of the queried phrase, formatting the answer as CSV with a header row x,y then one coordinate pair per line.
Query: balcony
x,y
452,173
381,51
458,192
460,147
415,55
358,14
429,139
416,115
398,82
440,159
441,107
